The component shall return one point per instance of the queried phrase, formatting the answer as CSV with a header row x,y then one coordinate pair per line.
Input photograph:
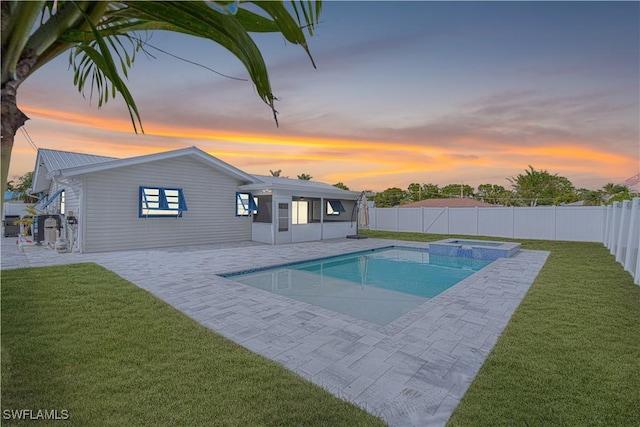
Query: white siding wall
x,y
72,188
336,230
111,207
306,232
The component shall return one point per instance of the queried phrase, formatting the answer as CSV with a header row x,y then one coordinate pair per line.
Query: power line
x,y
28,138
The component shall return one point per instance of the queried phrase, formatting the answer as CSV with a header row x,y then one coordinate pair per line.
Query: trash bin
x,y
11,229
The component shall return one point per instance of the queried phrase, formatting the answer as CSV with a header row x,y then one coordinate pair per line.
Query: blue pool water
x,y
378,286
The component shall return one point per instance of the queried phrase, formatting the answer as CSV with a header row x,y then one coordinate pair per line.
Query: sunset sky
x,y
442,93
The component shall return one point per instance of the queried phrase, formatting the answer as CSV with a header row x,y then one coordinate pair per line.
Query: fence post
x,y
633,240
605,226
555,222
613,235
623,229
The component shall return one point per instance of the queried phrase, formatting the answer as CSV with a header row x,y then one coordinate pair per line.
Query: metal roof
x,y
52,160
56,159
192,152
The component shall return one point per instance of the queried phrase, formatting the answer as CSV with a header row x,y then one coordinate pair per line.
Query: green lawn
x,y
570,356
81,339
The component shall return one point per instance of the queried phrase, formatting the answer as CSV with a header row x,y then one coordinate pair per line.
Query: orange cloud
x,y
374,164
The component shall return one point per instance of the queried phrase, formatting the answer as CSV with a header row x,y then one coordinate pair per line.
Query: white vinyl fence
x,y
622,235
617,226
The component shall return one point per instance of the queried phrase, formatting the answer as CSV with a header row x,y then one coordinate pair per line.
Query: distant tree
x,y
593,197
390,197
22,188
457,190
535,187
414,192
621,196
566,198
341,185
615,191
492,193
305,177
508,198
431,191
276,172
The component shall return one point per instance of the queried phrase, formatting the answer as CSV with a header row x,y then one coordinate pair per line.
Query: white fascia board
x,y
301,190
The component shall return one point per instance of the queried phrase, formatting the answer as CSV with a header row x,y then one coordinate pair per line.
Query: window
x,y
300,212
63,203
334,207
283,216
161,202
246,204
265,203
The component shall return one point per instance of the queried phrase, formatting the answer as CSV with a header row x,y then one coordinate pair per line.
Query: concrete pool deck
x,y
412,372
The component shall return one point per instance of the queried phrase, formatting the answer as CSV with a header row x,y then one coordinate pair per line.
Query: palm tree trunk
x,y
12,117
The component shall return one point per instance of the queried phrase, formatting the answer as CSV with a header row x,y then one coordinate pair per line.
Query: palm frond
x,y
197,19
95,58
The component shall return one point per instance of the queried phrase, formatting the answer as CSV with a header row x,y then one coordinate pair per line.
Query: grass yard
x,y
81,339
570,356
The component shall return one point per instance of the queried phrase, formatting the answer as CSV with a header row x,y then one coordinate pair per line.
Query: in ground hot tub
x,y
474,249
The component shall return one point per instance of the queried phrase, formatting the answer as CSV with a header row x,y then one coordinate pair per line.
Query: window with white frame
x,y
157,202
334,207
300,212
246,204
63,203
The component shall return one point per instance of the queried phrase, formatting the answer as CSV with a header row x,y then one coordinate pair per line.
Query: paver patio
x,y
413,371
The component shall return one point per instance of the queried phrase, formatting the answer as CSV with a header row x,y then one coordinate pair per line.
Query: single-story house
x,y
182,197
462,202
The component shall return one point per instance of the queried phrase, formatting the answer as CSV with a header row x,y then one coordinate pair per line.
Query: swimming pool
x,y
378,286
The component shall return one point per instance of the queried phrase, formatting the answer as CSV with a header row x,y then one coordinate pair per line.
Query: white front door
x,y
283,221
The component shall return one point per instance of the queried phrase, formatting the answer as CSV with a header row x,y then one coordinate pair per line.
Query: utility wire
x,y
28,138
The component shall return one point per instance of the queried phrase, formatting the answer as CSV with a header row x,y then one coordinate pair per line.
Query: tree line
x,y
531,188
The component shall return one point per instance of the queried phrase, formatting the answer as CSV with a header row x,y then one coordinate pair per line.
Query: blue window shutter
x,y
252,204
245,205
166,205
182,201
336,205
51,199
